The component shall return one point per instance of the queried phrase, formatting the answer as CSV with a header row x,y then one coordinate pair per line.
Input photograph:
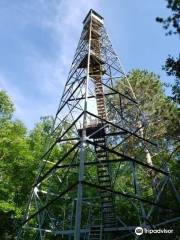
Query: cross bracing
x,y
84,192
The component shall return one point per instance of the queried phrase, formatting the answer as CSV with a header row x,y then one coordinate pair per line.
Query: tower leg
x,y
80,193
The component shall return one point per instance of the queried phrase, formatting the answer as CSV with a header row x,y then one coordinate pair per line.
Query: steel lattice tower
x,y
89,190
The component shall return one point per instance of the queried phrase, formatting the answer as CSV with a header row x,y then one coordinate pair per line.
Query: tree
x,y
6,105
171,23
159,113
17,168
172,65
38,137
158,120
20,155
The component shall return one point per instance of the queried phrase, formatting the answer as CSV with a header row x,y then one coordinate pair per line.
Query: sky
x,y
38,40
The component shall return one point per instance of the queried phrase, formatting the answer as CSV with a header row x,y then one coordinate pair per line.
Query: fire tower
x,y
89,185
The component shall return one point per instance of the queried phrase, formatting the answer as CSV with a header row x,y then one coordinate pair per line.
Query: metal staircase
x,y
96,232
104,179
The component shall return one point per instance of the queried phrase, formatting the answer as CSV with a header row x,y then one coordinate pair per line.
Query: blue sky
x,y
38,40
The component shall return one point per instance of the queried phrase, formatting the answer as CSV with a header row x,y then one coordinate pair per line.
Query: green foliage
x,y
159,112
172,65
21,152
6,105
7,223
160,120
39,135
171,23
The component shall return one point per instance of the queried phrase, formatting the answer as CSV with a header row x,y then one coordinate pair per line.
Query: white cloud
x,y
25,110
62,20
64,24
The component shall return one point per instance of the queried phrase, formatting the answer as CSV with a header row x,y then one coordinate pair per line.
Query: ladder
x,y
104,180
95,232
108,216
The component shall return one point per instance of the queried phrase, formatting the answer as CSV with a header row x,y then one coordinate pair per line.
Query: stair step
x,y
107,206
103,107
107,201
100,139
101,159
95,232
109,215
103,165
110,222
103,198
101,110
100,150
109,225
105,191
102,171
100,143
107,196
105,216
101,155
95,237
103,175
106,184
104,181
